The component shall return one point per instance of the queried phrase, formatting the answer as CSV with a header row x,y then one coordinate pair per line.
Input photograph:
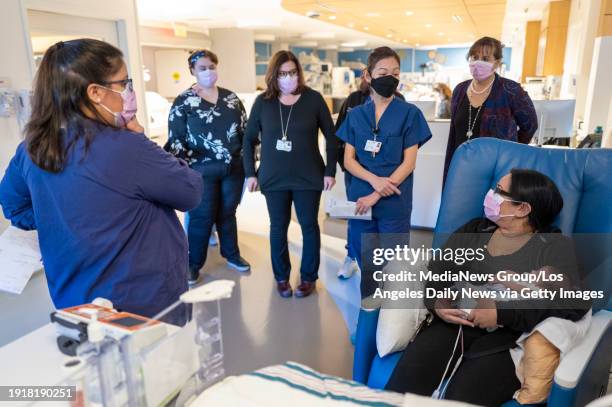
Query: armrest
x,y
574,362
365,344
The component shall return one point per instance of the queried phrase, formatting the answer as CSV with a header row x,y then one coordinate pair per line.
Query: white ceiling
x,y
270,21
264,17
518,12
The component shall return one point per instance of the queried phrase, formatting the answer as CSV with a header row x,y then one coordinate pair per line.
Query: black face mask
x,y
385,86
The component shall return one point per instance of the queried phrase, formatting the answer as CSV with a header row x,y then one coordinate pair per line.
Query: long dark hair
x,y
60,97
540,192
272,89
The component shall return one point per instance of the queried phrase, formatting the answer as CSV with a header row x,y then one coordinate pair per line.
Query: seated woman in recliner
x,y
517,235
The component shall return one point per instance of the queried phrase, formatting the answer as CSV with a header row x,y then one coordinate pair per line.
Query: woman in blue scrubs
x,y
101,195
382,138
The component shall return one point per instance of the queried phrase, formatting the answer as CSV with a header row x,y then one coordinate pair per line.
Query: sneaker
x,y
194,276
213,240
349,267
239,264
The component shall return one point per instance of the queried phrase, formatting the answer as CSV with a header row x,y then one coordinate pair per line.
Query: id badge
x,y
373,146
283,145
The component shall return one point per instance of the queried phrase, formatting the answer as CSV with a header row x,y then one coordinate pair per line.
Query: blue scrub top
x,y
106,224
401,126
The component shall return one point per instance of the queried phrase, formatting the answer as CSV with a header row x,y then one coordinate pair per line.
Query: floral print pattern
x,y
199,131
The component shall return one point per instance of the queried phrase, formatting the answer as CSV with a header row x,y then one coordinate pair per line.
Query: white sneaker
x,y
213,240
349,267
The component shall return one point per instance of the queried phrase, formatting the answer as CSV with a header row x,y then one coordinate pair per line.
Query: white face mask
x,y
288,84
207,78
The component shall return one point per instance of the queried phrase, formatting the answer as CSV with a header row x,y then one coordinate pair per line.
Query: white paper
x,y
19,259
345,210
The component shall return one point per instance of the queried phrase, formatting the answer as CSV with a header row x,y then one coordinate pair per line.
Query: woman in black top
x,y
206,126
287,118
517,236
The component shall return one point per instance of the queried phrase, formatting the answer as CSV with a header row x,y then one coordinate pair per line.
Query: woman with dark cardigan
x,y
286,119
489,105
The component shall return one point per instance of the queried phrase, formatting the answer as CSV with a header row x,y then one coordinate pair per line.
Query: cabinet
x,y
553,38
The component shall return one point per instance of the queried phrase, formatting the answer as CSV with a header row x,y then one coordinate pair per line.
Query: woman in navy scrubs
x,y
382,138
101,195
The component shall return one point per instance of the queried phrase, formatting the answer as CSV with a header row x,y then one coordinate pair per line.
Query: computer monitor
x,y
428,107
555,119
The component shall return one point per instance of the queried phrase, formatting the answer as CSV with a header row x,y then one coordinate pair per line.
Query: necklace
x,y
480,92
471,124
284,128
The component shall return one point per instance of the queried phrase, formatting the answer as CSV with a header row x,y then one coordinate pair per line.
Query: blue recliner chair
x,y
584,178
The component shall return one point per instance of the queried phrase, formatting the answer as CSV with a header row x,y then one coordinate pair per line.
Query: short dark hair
x,y
379,54
540,192
487,42
272,89
201,53
60,98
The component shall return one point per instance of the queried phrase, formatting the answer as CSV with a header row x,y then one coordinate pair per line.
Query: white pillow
x,y
397,324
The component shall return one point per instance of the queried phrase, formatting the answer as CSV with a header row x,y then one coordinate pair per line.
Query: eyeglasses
x,y
284,74
498,190
488,58
125,83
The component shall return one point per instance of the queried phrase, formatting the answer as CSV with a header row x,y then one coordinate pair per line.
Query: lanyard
x,y
283,127
375,133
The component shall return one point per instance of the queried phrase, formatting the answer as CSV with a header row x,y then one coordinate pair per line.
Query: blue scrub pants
x,y
367,235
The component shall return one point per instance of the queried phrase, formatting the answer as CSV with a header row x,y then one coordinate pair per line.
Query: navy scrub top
x,y
401,126
106,223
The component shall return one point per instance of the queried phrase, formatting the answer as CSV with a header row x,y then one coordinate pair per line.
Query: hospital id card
x,y
372,146
283,145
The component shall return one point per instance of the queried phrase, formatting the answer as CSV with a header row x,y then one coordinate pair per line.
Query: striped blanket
x,y
296,385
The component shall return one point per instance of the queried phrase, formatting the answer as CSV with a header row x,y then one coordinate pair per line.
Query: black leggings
x,y
485,380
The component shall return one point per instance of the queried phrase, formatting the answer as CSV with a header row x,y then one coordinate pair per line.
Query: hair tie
x,y
59,44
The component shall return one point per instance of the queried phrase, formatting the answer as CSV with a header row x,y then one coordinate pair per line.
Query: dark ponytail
x,y
60,98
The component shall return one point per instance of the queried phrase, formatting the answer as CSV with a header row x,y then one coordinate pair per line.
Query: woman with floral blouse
x,y
206,126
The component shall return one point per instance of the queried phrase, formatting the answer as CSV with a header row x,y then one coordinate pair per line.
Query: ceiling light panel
x,y
455,18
